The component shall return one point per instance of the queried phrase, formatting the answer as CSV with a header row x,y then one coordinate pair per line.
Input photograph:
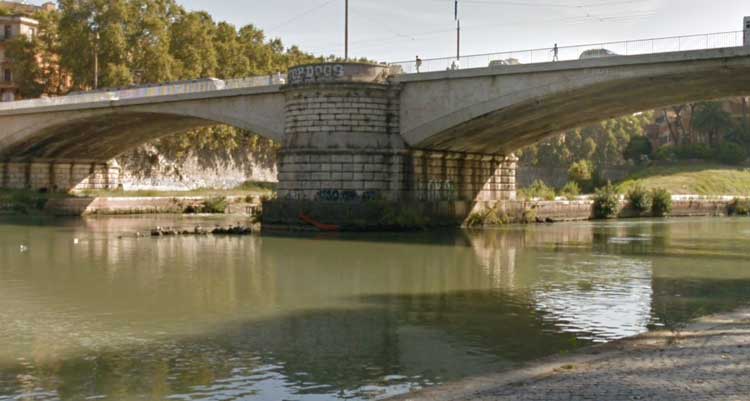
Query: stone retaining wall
x,y
59,176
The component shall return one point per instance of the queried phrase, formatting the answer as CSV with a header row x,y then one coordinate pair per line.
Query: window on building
x,y
8,32
7,75
8,96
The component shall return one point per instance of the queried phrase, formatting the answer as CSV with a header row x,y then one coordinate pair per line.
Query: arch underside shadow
x,y
98,137
508,129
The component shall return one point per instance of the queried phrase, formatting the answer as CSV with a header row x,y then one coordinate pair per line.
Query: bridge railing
x,y
567,53
146,91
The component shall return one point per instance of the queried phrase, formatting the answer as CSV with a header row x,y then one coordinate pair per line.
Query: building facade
x,y
16,21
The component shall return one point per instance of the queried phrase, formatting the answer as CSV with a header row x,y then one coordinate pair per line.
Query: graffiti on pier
x,y
436,190
315,73
334,195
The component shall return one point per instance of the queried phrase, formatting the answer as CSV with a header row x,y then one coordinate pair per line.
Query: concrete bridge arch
x,y
500,110
100,131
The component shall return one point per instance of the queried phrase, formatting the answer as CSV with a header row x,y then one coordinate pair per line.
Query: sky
x,y
397,30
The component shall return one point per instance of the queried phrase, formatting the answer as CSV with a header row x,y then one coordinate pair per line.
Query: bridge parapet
x,y
581,52
147,91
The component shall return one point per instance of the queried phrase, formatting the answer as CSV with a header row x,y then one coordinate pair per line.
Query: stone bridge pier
x,y
343,153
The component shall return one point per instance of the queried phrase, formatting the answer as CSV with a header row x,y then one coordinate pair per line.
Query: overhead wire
x,y
300,15
396,36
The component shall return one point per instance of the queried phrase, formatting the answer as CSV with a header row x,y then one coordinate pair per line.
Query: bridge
x,y
360,131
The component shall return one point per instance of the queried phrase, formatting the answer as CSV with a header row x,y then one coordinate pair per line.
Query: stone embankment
x,y
563,210
80,206
707,360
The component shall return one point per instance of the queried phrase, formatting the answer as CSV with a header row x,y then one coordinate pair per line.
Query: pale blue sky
x,y
394,30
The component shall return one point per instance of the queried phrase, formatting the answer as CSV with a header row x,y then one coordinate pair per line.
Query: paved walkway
x,y
709,360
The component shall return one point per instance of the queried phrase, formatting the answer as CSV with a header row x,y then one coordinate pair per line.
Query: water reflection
x,y
335,317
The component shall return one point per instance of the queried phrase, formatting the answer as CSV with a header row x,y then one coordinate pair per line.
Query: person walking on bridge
x,y
555,53
419,64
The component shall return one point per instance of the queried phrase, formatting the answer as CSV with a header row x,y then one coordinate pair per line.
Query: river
x,y
89,310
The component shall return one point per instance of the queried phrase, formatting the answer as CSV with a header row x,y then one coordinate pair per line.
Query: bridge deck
x,y
146,93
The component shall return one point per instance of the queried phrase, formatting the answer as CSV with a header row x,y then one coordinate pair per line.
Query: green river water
x,y
90,311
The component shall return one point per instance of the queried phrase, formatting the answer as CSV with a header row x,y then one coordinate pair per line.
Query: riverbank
x,y
541,211
708,359
235,201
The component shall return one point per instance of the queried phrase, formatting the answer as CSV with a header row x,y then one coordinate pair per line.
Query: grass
x,y
693,179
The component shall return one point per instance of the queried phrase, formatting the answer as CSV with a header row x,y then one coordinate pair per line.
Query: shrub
x,y
661,202
694,151
495,218
487,217
529,216
638,198
538,189
407,217
731,153
638,149
26,202
570,191
665,153
582,173
606,202
739,207
215,205
475,219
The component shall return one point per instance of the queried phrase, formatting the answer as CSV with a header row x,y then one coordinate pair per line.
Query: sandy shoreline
x,y
707,360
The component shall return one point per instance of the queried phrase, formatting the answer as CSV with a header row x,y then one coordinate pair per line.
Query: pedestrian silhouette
x,y
555,53
419,64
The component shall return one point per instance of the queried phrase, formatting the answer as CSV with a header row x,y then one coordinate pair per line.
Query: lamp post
x,y
458,32
96,60
346,30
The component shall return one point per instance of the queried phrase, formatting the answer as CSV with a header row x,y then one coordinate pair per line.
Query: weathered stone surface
x,y
59,176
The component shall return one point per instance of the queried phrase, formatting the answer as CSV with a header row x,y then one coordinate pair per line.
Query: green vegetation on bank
x,y
693,179
21,201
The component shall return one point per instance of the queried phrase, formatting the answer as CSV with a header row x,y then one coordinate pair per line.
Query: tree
x,y
192,46
582,173
711,119
36,66
638,147
95,32
149,40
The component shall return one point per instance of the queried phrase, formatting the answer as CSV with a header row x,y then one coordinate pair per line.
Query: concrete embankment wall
x,y
560,210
